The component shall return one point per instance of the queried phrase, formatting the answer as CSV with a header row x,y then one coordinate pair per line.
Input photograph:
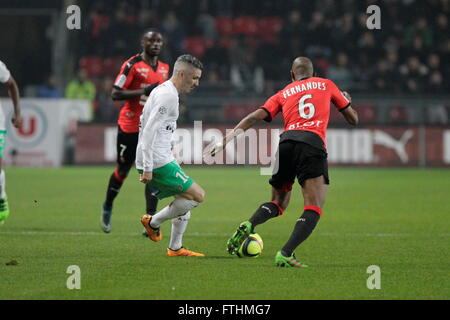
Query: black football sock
x,y
150,199
303,228
114,186
265,212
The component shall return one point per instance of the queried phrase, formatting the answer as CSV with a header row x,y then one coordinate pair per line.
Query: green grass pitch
x,y
397,219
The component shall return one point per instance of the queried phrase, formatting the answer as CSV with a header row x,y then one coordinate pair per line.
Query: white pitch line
x,y
208,234
93,233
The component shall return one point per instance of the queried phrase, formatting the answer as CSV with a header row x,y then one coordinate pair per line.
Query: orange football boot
x,y
153,234
183,252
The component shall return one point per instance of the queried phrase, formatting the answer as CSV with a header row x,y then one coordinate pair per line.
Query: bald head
x,y
302,67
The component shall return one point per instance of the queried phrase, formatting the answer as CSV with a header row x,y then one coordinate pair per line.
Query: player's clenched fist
x,y
145,177
17,121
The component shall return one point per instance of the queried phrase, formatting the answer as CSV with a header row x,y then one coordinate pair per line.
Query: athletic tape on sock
x,y
118,177
313,208
280,209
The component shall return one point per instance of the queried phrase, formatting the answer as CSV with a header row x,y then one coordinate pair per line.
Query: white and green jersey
x,y
158,123
4,76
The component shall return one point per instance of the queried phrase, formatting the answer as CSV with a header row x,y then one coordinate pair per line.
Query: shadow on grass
x,y
220,257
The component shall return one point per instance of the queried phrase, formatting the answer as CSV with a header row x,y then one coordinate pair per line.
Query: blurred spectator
x,y
433,62
224,7
323,30
413,74
340,72
174,34
345,33
391,45
106,110
49,89
245,74
293,27
207,26
122,30
81,87
437,114
367,47
145,19
435,82
418,49
380,77
213,84
392,59
421,30
318,35
441,31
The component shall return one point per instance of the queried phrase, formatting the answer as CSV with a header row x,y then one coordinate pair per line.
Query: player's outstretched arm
x,y
13,91
243,125
349,113
246,123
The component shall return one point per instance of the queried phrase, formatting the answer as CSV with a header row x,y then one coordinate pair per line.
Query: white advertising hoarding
x,y
46,125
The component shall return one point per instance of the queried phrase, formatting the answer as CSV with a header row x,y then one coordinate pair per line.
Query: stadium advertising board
x,y
368,146
47,124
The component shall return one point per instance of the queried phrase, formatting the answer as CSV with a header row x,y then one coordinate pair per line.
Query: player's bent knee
x,y
199,196
197,193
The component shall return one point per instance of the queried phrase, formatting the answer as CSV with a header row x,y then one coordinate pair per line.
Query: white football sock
x,y
2,185
179,225
177,208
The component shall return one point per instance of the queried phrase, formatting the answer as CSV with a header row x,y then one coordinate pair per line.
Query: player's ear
x,y
292,76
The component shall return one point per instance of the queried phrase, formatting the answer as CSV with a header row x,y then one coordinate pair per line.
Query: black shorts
x,y
301,160
126,147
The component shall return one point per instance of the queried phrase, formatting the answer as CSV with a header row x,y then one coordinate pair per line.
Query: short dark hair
x,y
193,61
153,30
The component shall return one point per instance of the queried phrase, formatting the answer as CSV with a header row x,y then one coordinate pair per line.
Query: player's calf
x,y
314,191
177,208
303,228
265,212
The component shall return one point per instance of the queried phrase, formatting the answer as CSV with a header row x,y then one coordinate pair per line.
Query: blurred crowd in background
x,y
247,46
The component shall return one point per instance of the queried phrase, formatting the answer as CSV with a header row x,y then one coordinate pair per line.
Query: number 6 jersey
x,y
305,105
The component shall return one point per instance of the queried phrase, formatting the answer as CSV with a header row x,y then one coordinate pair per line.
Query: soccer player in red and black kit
x,y
138,76
305,104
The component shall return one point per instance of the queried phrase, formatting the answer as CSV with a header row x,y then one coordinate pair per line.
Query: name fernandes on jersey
x,y
303,87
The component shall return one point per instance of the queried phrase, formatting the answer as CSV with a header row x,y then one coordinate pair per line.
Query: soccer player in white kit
x,y
13,91
156,163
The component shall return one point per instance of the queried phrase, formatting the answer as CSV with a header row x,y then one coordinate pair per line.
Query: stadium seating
x,y
269,28
246,25
92,64
366,113
111,65
237,111
196,46
224,26
398,115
